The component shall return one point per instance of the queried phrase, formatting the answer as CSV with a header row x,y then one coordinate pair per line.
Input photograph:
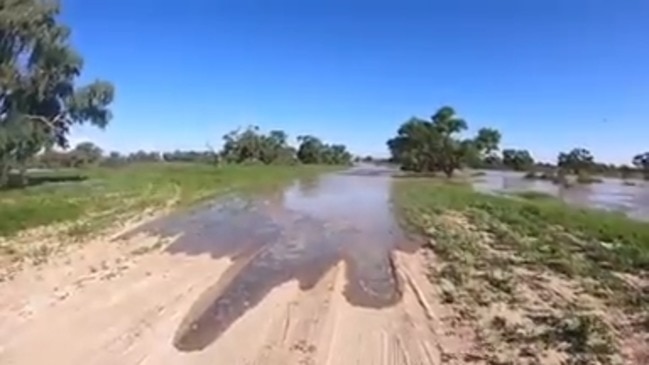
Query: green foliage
x,y
86,153
144,156
534,195
518,160
492,161
251,146
116,159
39,99
313,151
190,156
430,146
487,140
310,149
625,172
641,161
113,159
578,161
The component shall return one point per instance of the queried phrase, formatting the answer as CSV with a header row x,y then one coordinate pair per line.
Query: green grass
x,y
110,192
495,249
611,238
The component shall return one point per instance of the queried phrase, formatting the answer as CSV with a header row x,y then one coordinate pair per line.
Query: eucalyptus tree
x,y
240,146
251,145
313,151
310,149
40,99
487,140
87,153
577,161
518,160
429,146
414,145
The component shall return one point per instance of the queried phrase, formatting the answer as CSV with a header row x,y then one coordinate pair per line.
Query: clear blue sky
x,y
550,74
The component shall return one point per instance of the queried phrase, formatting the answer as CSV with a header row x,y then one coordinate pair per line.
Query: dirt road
x,y
318,274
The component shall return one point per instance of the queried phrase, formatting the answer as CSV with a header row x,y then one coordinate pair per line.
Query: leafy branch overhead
x,y
39,98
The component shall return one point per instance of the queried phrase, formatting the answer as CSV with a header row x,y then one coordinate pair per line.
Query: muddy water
x,y
296,233
610,194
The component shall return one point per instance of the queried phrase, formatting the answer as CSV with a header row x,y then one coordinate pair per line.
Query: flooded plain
x,y
631,197
302,231
298,233
229,287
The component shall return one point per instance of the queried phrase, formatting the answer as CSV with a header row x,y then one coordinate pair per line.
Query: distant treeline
x,y
517,160
247,146
434,145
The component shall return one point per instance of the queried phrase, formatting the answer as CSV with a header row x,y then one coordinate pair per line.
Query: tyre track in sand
x,y
131,318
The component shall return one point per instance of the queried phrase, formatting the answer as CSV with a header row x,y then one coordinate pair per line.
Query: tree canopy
x,y
39,97
641,161
430,146
487,140
518,160
252,146
87,153
313,151
190,156
578,161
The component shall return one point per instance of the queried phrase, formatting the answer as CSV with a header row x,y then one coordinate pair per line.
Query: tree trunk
x,y
22,174
448,170
4,174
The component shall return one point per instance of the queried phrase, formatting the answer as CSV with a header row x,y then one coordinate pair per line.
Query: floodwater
x,y
298,233
610,194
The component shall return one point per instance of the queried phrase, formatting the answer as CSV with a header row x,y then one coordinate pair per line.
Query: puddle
x,y
296,233
610,194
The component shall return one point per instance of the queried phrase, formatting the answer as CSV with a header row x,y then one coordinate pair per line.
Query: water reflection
x,y
611,194
296,233
307,186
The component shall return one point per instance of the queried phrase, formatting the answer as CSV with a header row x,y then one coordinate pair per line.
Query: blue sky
x,y
550,74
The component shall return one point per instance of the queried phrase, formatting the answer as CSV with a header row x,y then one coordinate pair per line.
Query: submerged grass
x,y
533,195
99,194
513,250
612,238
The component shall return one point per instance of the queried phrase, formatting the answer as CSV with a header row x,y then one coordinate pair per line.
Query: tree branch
x,y
44,120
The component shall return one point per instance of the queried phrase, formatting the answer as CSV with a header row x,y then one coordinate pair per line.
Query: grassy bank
x,y
536,279
97,195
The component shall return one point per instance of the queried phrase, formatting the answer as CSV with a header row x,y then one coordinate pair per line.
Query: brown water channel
x,y
298,233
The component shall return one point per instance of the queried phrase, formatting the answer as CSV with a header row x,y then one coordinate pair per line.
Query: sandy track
x,y
106,305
